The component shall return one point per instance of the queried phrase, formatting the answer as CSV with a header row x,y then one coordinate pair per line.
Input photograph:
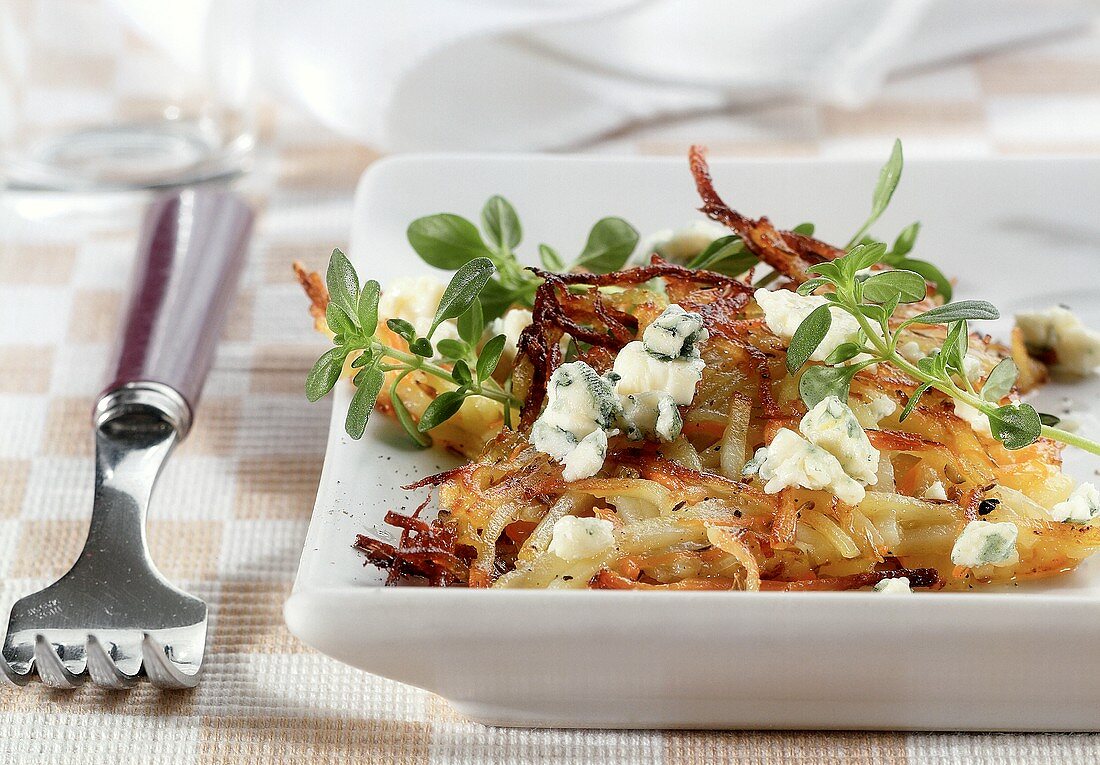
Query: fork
x,y
113,617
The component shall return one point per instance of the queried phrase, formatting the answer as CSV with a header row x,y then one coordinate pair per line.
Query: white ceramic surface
x,y
1021,233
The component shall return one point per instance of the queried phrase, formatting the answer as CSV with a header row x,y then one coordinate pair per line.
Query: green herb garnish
x,y
450,241
353,316
872,301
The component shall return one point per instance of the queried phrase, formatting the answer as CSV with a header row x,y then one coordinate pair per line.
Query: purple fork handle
x,y
190,255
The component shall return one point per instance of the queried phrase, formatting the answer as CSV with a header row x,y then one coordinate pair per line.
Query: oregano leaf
x,y
808,337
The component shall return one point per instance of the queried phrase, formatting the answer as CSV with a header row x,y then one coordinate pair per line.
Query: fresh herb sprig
x,y
872,300
450,241
352,316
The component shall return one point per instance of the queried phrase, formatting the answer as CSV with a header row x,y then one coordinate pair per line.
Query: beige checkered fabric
x,y
235,501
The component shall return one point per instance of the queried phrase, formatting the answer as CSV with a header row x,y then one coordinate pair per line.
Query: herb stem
x,y
1072,439
494,392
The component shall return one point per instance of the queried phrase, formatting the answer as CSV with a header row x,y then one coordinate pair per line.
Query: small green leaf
x,y
471,324
550,258
903,245
808,337
720,248
927,364
461,373
402,328
818,383
806,229
842,353
446,241
912,402
1000,381
888,179
875,313
465,286
443,407
403,416
1015,425
609,245
808,287
342,282
930,274
452,349
725,255
325,373
368,383
368,307
1048,419
422,346
860,257
337,319
362,360
955,347
963,309
829,269
906,286
490,356
500,223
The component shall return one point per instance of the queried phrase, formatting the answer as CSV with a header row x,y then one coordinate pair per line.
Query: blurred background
x,y
101,100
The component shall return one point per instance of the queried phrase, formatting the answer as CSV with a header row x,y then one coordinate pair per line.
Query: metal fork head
x,y
113,617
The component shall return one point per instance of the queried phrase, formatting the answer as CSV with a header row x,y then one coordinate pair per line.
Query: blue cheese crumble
x,y
832,426
651,378
1075,347
793,461
640,371
986,544
784,311
1081,507
675,334
579,403
574,538
896,585
830,453
651,415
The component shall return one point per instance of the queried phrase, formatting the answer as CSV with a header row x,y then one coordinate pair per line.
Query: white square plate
x,y
1023,234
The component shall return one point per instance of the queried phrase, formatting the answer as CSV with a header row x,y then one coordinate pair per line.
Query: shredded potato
x,y
682,515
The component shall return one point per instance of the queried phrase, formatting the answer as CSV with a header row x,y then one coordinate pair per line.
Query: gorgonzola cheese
x,y
586,458
752,467
935,491
986,544
651,415
640,371
511,325
574,538
784,311
897,585
910,351
978,422
831,426
871,412
1076,348
1082,506
675,334
791,461
579,403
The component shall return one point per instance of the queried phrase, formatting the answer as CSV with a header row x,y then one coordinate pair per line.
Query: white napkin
x,y
545,74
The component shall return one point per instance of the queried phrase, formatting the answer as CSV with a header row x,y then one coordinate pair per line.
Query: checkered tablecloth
x,y
235,500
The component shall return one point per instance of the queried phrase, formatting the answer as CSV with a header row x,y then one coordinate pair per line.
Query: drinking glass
x,y
123,94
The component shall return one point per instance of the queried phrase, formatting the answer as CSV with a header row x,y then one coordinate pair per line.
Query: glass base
x,y
128,156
